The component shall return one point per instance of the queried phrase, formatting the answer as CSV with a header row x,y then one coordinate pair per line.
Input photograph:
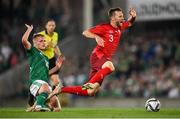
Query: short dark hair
x,y
112,10
50,19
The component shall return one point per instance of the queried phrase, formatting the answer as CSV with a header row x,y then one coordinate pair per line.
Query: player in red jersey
x,y
107,37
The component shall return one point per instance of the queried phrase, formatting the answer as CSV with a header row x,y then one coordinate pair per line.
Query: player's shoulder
x,y
104,25
31,50
55,33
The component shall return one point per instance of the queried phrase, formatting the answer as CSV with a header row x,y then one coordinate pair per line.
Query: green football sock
x,y
41,98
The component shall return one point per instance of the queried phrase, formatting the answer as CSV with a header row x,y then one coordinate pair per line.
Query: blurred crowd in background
x,y
15,13
147,64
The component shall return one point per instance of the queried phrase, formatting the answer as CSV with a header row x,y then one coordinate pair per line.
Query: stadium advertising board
x,y
155,9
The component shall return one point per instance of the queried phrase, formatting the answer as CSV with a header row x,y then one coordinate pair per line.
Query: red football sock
x,y
99,76
77,90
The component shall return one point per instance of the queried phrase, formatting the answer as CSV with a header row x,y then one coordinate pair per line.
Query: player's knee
x,y
109,64
44,88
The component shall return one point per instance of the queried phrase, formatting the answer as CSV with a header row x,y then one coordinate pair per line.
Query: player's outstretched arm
x,y
58,65
98,39
132,17
25,37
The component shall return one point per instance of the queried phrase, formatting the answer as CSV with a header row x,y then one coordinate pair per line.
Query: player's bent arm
x,y
89,34
98,39
131,20
132,17
25,37
54,69
58,65
57,51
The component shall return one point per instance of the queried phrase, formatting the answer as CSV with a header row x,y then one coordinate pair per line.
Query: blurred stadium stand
x,y
147,61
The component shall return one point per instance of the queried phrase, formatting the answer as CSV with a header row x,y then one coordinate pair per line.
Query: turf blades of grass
x,y
90,113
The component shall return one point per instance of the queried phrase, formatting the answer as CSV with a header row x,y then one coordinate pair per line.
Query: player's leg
x,y
100,67
106,69
42,96
40,90
77,90
53,103
95,82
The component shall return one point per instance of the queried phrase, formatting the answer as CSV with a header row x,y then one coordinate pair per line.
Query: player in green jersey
x,y
39,68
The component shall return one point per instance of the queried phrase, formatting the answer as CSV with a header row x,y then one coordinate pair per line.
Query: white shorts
x,y
35,86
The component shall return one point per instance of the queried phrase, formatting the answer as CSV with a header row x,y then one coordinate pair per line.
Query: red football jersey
x,y
111,36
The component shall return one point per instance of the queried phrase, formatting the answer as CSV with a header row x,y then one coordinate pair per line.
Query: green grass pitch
x,y
91,113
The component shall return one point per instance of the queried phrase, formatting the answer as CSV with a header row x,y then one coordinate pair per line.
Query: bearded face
x,y
118,18
118,24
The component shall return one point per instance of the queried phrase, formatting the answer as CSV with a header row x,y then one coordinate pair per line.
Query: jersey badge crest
x,y
110,31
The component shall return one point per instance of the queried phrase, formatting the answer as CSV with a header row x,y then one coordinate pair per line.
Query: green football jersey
x,y
39,65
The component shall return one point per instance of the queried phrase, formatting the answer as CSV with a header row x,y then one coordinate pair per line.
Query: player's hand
x,y
99,41
63,57
132,12
29,27
59,61
56,91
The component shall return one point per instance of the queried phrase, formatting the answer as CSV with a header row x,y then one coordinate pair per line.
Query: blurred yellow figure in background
x,y
52,51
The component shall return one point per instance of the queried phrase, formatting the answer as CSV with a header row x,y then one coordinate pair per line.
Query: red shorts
x,y
96,64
